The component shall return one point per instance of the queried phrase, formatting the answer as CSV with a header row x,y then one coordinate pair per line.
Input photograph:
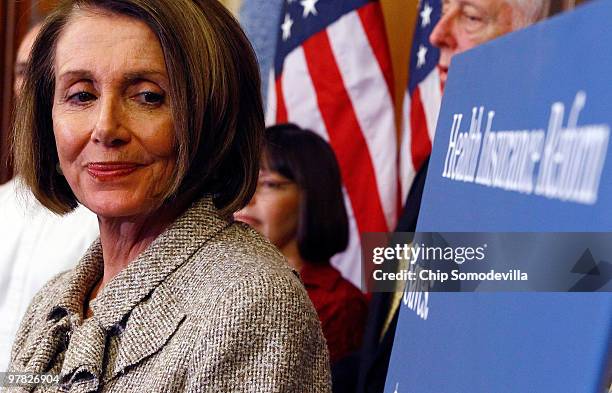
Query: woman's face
x,y
274,209
111,114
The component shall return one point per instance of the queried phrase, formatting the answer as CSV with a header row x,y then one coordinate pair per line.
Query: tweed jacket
x,y
209,306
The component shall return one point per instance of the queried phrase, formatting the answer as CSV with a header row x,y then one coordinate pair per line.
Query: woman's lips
x,y
106,171
252,221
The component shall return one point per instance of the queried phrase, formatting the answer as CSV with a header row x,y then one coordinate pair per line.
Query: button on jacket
x,y
209,306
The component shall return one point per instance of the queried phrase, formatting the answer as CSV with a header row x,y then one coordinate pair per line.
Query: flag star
x,y
286,27
426,15
309,7
421,56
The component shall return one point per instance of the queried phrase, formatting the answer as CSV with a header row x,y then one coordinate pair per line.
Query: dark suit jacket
x,y
376,353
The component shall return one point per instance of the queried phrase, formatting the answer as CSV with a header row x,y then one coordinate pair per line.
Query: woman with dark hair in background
x,y
299,207
148,112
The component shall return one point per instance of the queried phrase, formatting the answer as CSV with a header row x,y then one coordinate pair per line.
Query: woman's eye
x,y
271,184
151,98
82,97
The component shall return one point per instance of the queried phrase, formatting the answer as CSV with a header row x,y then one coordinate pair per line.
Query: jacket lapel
x,y
129,309
148,329
166,254
142,313
84,357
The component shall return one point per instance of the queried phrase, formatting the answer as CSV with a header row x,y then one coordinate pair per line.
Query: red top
x,y
341,307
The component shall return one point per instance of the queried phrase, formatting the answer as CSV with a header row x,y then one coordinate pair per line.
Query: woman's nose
x,y
109,129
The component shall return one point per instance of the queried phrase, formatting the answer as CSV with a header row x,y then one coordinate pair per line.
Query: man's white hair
x,y
528,12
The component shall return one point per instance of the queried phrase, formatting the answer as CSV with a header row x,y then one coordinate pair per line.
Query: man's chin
x,y
443,73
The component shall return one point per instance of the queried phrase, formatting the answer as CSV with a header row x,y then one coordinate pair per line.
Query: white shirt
x,y
35,245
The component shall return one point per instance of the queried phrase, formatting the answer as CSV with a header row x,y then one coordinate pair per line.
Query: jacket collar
x,y
80,282
84,357
162,315
134,283
149,326
112,308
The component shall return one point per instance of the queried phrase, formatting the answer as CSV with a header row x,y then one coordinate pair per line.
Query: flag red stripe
x,y
372,20
345,134
420,145
281,108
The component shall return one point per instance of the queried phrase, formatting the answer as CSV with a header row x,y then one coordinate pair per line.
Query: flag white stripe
x,y
366,86
302,109
407,172
349,261
300,94
271,100
431,97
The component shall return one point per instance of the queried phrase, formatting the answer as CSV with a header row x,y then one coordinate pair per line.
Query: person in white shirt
x,y
35,244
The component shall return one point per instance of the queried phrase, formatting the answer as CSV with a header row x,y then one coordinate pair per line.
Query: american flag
x,y
332,74
423,97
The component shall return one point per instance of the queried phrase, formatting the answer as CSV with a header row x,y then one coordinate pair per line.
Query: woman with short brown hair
x,y
148,113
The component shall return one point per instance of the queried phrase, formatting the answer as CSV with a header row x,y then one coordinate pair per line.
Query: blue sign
x,y
522,145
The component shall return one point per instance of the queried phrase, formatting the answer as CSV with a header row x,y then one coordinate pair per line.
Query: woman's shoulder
x,y
252,305
239,261
247,252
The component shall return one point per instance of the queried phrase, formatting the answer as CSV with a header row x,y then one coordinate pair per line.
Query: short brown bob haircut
x,y
305,158
214,98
